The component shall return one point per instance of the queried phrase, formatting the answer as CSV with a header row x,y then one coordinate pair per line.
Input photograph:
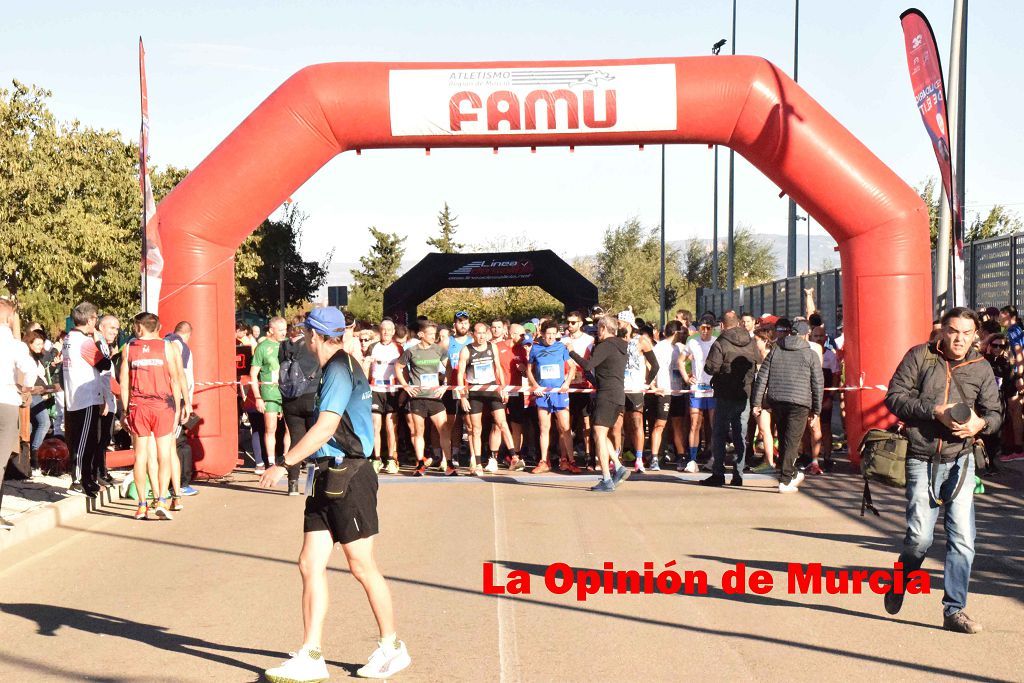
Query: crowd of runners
x,y
574,395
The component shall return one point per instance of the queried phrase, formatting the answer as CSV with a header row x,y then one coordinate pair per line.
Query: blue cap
x,y
327,322
526,340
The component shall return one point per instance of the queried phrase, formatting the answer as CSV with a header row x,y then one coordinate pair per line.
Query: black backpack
x,y
293,381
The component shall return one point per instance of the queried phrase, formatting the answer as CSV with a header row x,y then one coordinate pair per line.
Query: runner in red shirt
x,y
151,394
512,359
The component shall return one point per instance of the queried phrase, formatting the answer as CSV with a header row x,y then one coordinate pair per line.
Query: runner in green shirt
x,y
264,376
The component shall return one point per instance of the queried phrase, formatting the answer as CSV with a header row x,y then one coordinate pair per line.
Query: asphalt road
x,y
214,595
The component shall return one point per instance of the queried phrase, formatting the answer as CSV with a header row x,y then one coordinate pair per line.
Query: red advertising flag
x,y
152,259
930,95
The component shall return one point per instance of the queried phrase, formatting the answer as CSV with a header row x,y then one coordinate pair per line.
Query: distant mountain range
x,y
823,256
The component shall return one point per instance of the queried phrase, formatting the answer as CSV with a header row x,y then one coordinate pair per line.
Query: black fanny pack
x,y
333,481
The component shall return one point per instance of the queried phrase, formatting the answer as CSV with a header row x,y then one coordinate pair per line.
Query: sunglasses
x,y
572,322
998,346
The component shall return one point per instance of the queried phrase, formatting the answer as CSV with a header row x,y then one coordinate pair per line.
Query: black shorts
x,y
579,404
657,407
426,407
679,406
351,517
479,401
385,403
634,402
451,404
604,413
516,409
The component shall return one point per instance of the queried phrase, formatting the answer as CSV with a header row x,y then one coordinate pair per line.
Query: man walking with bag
x,y
946,395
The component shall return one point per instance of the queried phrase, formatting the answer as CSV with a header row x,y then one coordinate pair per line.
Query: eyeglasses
x,y
572,322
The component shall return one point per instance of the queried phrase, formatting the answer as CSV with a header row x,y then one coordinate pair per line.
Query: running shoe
x,y
681,466
621,475
655,466
421,469
638,465
189,491
36,472
305,666
76,489
604,486
142,511
793,485
492,465
517,464
478,471
451,471
259,470
691,467
814,468
541,467
377,465
1011,457
161,512
392,467
386,661
428,462
176,505
763,468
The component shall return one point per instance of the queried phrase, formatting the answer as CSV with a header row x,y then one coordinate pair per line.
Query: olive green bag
x,y
883,458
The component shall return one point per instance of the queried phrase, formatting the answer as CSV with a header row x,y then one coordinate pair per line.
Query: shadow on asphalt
x,y
50,619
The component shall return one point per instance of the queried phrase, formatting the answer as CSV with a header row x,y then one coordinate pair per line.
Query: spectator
x,y
17,376
299,411
933,383
264,377
109,327
42,396
791,379
84,398
730,363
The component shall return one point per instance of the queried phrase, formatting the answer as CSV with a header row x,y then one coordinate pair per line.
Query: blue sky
x,y
210,63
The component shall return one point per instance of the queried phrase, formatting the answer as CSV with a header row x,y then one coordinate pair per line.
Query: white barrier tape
x,y
511,389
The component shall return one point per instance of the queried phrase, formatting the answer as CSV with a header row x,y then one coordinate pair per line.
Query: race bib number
x,y
483,373
429,381
550,372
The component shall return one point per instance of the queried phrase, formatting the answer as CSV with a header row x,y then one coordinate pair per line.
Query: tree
x,y
445,242
378,269
754,261
927,190
69,211
166,179
629,271
272,247
999,221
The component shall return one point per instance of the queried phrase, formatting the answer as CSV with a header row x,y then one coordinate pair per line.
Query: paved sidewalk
x,y
214,595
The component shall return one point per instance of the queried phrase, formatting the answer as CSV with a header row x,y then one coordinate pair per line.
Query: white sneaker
x,y
386,662
305,666
392,466
37,473
638,465
492,465
692,467
793,486
259,470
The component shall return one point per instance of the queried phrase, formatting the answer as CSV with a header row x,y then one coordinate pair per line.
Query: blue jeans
x,y
728,414
40,422
958,521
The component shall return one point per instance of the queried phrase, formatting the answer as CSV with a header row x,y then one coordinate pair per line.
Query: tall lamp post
x,y
715,49
731,262
791,237
808,219
661,291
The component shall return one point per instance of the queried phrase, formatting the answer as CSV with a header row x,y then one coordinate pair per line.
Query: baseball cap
x,y
801,327
327,321
708,320
769,319
783,325
530,326
627,316
462,315
526,340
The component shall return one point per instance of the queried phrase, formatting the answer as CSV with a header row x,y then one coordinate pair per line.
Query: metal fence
x,y
994,276
782,297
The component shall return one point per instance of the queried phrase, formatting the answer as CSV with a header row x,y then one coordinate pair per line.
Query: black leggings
x,y
298,415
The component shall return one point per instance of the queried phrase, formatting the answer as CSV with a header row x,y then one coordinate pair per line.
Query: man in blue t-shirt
x,y
340,440
545,372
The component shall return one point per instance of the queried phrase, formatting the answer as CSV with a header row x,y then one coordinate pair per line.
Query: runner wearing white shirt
x,y
661,403
702,400
385,404
17,376
582,344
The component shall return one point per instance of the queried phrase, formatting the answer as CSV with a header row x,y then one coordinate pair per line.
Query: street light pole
x,y
731,263
791,239
661,297
715,49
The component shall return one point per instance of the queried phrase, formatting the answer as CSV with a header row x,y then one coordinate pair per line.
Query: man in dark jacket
x,y
730,363
607,367
934,386
791,380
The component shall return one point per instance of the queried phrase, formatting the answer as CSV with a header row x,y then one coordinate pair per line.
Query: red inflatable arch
x,y
745,103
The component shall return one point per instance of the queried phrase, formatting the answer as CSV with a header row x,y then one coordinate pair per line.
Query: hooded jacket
x,y
924,380
607,366
730,363
790,374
